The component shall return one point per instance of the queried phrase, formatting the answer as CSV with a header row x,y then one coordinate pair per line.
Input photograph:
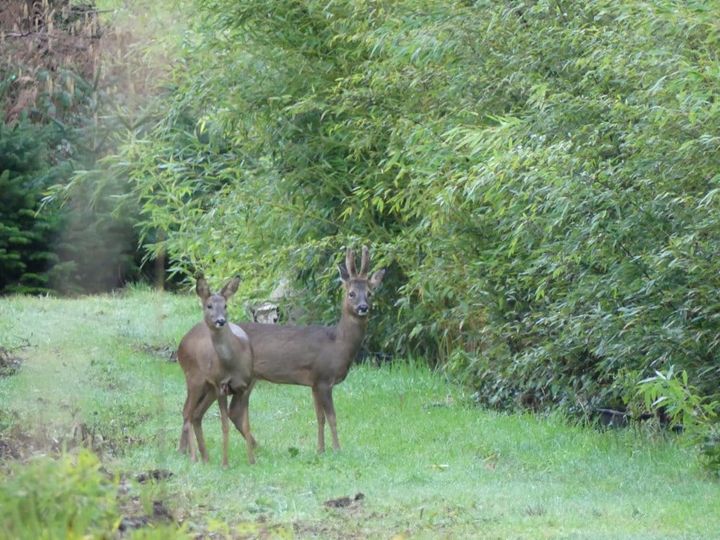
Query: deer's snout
x,y
220,321
363,309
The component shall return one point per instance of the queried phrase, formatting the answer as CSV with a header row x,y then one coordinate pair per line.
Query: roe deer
x,y
317,356
215,368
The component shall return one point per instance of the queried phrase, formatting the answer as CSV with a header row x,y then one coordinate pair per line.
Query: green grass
x,y
429,464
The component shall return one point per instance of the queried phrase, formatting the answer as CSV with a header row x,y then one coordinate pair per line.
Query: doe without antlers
x,y
216,358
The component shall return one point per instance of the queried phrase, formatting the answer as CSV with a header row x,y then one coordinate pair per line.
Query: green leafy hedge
x,y
540,177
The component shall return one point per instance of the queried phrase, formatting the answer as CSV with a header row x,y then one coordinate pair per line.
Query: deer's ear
x,y
230,287
201,288
344,274
376,278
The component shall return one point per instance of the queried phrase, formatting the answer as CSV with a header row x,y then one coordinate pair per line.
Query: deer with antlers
x,y
317,356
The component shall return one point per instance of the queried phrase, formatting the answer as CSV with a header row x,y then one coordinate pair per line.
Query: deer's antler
x,y
365,262
350,263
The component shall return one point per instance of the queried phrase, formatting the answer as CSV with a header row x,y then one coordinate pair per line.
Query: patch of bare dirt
x,y
92,437
135,517
134,514
344,502
340,530
153,475
55,440
12,447
10,363
167,353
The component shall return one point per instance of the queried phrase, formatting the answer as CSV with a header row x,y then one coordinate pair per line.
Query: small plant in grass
x,y
65,498
672,394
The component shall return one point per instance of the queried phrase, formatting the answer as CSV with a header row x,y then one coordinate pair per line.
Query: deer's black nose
x,y
362,309
220,322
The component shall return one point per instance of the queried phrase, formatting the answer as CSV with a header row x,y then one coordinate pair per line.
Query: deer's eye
x,y
352,294
209,306
369,293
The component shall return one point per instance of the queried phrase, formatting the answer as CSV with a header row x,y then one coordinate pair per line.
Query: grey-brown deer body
x,y
318,356
215,368
313,354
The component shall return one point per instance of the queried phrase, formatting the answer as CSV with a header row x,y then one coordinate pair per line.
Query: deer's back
x,y
296,354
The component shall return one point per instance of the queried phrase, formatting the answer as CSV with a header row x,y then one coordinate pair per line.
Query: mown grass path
x,y
428,463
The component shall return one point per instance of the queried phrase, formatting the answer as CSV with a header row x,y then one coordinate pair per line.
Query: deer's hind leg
x,y
185,433
194,394
201,407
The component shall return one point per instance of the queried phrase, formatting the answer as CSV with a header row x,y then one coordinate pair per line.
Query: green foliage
x,y
26,248
540,178
65,498
82,246
677,399
57,103
672,396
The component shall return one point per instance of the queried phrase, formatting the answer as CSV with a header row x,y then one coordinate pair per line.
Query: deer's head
x,y
359,288
215,305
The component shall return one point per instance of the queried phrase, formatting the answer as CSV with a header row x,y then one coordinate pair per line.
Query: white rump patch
x,y
239,332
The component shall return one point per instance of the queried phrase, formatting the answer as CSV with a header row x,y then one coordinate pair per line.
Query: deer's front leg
x,y
325,409
240,417
222,402
320,414
197,415
329,407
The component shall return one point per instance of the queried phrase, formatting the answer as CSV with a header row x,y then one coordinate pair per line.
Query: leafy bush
x,y
66,498
540,178
672,396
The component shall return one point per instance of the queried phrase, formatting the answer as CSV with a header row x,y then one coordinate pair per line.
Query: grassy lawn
x,y
96,373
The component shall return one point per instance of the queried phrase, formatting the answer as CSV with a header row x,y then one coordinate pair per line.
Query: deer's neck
x,y
350,333
222,342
